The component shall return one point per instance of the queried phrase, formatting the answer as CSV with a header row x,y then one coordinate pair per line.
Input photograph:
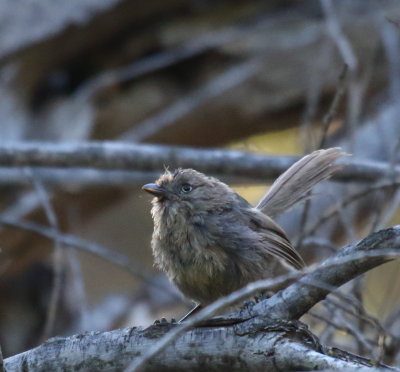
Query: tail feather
x,y
293,185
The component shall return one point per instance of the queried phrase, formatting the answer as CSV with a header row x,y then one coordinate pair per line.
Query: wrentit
x,y
210,241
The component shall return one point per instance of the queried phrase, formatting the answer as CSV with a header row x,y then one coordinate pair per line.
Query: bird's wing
x,y
275,239
291,187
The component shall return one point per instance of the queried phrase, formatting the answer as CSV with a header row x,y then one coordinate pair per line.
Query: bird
x,y
210,241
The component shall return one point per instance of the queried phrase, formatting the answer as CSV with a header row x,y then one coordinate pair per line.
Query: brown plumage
x,y
210,241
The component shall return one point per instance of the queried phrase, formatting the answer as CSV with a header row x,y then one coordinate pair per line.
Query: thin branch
x,y
228,80
78,288
205,42
350,59
361,314
333,108
1,361
303,222
69,240
331,212
392,318
384,214
360,337
326,122
57,254
26,203
74,178
337,35
393,21
140,157
349,329
350,262
321,243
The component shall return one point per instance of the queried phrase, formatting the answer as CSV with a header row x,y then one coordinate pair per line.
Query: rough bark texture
x,y
265,336
204,349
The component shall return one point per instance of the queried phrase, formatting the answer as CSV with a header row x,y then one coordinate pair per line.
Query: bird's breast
x,y
191,258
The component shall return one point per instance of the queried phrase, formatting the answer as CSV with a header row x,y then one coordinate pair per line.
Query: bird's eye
x,y
186,188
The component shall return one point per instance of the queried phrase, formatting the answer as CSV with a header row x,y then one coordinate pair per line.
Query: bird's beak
x,y
154,189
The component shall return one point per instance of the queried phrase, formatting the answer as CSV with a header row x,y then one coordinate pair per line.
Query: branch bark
x,y
347,264
197,350
266,336
111,155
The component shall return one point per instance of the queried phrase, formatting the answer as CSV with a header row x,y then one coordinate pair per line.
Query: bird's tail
x,y
293,185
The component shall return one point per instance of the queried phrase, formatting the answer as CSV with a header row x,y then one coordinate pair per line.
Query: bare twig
x,y
1,361
339,38
57,255
350,59
313,96
73,178
303,221
392,318
332,273
77,284
390,39
158,61
321,243
312,100
333,108
90,247
226,81
329,332
382,211
367,345
347,225
393,21
356,310
326,122
344,203
359,311
23,205
55,292
140,157
349,329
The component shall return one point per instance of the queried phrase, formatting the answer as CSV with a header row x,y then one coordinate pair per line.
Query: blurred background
x,y
272,77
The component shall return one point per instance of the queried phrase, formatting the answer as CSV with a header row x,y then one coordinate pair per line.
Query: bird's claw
x,y
164,321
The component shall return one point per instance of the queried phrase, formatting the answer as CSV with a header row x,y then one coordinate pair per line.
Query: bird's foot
x,y
164,321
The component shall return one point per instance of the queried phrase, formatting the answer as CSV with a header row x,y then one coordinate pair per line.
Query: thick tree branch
x,y
235,348
71,178
294,301
253,342
140,157
350,262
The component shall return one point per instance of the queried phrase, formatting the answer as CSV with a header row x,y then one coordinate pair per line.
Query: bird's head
x,y
188,189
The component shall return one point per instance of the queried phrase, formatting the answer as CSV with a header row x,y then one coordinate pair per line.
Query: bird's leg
x,y
195,310
263,295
